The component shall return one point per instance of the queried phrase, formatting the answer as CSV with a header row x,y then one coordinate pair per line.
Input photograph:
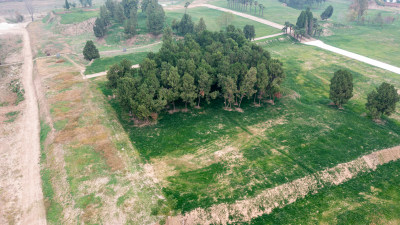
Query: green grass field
x,y
210,156
103,64
211,18
380,43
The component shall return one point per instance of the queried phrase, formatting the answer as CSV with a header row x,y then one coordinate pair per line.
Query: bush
x,y
90,51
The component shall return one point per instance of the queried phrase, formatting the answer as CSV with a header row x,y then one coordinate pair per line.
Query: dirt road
x,y
24,146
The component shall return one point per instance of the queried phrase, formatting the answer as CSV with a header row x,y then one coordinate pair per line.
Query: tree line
x,y
126,13
199,68
245,5
301,4
306,25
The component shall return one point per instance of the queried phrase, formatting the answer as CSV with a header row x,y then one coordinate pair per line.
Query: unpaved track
x,y
32,195
27,144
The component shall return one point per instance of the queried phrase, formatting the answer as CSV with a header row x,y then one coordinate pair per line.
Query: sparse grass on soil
x,y
232,155
211,18
103,64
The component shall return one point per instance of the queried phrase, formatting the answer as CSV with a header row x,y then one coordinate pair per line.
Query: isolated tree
x,y
201,26
186,25
327,13
29,7
188,89
99,28
246,87
90,51
249,32
66,5
382,101
341,88
155,17
186,6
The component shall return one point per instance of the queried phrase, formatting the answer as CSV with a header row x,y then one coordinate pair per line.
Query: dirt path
x,y
32,195
25,147
282,195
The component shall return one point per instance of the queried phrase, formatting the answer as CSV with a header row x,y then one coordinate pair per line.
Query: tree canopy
x,y
341,89
327,13
90,51
204,65
382,101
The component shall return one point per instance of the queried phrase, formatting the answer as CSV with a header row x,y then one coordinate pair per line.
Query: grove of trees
x,y
126,12
199,68
306,25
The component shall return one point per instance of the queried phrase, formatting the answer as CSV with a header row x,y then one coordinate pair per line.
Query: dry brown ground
x,y
66,96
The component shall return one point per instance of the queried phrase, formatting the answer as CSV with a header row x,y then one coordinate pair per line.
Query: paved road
x,y
355,56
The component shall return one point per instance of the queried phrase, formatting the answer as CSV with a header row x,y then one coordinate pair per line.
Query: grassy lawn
x,y
368,199
232,155
380,43
77,16
103,64
211,18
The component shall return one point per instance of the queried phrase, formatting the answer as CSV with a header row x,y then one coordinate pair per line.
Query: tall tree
x,y
262,82
359,7
66,5
119,15
382,101
130,25
246,87
144,5
128,6
186,25
90,51
341,88
105,15
203,85
111,7
174,83
29,7
99,28
201,26
188,89
155,17
186,6
249,32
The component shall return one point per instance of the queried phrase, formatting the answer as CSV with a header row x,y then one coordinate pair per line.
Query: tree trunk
x,y
198,104
173,103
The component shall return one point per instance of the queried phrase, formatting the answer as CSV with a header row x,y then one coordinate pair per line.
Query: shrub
x,y
90,51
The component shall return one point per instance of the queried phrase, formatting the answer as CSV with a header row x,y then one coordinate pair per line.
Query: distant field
x,y
380,43
212,156
103,64
211,16
77,16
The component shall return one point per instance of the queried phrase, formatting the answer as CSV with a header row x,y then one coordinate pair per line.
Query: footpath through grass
x,y
211,156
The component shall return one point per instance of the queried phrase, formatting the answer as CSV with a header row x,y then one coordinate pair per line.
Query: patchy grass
x,y
60,124
232,155
11,116
211,18
103,64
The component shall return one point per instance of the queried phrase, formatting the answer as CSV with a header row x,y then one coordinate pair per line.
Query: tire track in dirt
x,y
282,195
